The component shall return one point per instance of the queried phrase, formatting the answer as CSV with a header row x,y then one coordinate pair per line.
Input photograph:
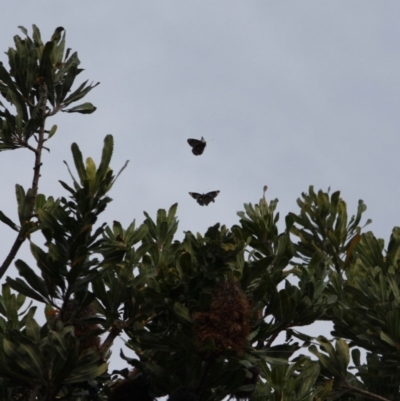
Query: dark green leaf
x,y
36,283
84,108
8,221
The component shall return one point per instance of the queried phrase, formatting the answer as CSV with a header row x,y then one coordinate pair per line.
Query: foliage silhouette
x,y
209,316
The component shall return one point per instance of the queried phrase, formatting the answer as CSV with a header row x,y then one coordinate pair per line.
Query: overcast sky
x,y
287,94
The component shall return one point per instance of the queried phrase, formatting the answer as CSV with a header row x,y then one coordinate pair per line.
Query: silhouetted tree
x,y
209,317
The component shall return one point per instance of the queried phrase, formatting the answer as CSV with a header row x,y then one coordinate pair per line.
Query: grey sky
x,y
288,94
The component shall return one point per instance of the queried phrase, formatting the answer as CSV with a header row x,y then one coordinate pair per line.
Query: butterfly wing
x,y
204,199
197,146
199,197
210,197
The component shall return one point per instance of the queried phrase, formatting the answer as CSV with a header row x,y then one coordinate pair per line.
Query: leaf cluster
x,y
37,86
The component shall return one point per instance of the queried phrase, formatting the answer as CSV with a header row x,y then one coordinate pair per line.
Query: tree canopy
x,y
211,316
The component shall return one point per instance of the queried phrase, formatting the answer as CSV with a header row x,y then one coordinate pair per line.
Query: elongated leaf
x,y
387,339
78,160
36,283
46,70
182,311
171,219
343,355
23,288
67,83
67,187
52,131
84,108
105,157
36,36
24,30
48,220
89,373
35,364
91,173
20,194
324,392
8,221
79,93
33,329
328,363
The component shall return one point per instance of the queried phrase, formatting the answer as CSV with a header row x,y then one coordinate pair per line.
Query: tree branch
x,y
35,181
370,395
11,255
116,329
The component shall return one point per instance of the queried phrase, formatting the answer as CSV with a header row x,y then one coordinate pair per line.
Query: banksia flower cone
x,y
227,322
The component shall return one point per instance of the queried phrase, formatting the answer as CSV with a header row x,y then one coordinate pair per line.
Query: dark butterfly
x,y
204,199
198,146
